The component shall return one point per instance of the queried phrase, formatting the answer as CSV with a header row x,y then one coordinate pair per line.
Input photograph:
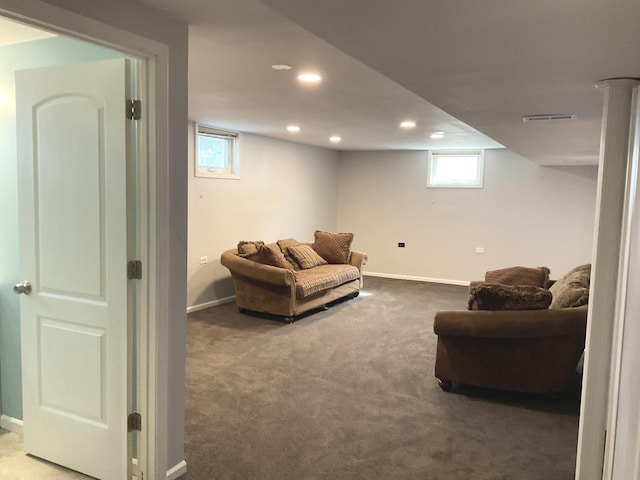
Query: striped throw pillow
x,y
305,256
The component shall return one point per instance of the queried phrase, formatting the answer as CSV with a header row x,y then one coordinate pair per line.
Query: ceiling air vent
x,y
548,117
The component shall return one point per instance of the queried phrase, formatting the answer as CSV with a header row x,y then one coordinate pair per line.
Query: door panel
x,y
68,132
72,355
73,235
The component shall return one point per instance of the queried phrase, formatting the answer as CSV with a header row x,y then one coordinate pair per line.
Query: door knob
x,y
24,287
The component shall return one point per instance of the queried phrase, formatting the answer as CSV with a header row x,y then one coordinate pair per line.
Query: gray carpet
x,y
349,393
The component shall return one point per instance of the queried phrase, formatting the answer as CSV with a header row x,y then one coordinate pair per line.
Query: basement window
x,y
455,169
216,153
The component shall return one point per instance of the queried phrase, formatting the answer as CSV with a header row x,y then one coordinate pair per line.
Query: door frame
x,y
152,221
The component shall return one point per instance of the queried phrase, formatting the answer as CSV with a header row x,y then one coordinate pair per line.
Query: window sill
x,y
224,176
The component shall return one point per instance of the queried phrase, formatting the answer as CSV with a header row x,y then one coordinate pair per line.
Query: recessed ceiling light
x,y
437,135
335,139
309,77
281,66
407,124
293,128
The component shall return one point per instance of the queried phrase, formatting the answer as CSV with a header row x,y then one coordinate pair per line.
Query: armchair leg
x,y
445,385
287,320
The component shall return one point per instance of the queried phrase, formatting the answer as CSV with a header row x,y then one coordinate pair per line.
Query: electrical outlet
x,y
479,249
203,260
401,245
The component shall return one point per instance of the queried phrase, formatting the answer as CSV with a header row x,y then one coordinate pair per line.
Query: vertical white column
x,y
612,174
622,459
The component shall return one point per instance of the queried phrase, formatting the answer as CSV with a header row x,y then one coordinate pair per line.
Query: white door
x,y
73,215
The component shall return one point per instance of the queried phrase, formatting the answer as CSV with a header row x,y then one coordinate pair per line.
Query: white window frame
x,y
434,156
232,171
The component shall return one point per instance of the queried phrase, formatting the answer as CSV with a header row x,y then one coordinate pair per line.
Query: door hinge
x,y
134,422
134,109
134,270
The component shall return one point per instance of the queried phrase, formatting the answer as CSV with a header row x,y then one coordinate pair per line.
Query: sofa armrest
x,y
511,323
358,259
256,271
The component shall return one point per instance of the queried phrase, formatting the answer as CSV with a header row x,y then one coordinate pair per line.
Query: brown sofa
x,y
287,292
532,350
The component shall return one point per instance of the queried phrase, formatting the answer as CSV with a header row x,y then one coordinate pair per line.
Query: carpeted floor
x,y
349,393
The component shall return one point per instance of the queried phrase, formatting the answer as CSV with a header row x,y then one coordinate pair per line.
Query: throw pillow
x,y
246,248
284,244
305,256
495,296
270,255
572,290
333,247
535,277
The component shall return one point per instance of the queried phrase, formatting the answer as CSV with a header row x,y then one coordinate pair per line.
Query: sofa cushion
x,y
536,277
495,296
572,290
323,277
270,254
249,247
286,243
333,247
305,256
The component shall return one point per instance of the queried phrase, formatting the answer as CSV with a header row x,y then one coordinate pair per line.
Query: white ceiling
x,y
232,45
490,62
486,63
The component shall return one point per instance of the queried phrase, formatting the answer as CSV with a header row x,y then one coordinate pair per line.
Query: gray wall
x,y
524,215
286,190
38,53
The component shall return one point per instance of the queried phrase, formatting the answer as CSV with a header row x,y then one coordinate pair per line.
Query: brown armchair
x,y
521,333
534,351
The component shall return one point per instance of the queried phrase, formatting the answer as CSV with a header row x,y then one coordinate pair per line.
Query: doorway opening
x,y
26,49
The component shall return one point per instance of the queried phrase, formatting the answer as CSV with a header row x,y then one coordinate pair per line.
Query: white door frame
x,y
152,211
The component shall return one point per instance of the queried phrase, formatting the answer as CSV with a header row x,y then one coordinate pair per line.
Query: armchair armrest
x,y
511,323
256,271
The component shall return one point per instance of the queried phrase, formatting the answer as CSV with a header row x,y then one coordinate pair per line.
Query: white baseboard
x,y
12,424
177,470
213,303
417,279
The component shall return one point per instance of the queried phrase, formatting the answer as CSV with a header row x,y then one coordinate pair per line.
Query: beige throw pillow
x,y
333,247
305,256
284,244
270,255
249,247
